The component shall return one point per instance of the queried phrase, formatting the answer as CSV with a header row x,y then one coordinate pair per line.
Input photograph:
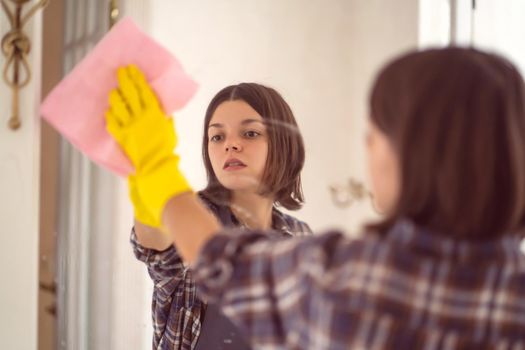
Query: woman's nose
x,y
233,145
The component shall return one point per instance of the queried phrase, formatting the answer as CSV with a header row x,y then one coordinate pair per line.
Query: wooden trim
x,y
52,71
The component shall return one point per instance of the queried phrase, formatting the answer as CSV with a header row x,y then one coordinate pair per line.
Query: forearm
x,y
189,223
152,238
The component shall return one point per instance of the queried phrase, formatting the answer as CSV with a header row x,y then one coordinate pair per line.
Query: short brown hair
x,y
456,118
282,174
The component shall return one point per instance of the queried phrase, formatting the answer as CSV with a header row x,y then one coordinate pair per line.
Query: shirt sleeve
x,y
265,284
164,266
161,265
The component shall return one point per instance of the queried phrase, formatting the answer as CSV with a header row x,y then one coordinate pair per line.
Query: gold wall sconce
x,y
344,196
15,47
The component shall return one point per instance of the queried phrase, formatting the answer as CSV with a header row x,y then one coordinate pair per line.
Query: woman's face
x,y
237,146
383,169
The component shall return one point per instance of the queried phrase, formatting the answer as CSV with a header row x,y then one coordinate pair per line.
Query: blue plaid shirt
x,y
177,312
406,289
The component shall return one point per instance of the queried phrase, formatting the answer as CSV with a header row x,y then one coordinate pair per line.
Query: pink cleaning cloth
x,y
76,106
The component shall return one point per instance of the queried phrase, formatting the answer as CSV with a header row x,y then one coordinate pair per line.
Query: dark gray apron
x,y
219,333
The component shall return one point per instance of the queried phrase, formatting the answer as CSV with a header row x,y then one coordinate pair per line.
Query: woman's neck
x,y
253,210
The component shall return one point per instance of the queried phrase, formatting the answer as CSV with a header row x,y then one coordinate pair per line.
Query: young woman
x,y
443,270
248,177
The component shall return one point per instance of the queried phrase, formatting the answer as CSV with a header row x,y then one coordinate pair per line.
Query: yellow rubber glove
x,y
146,134
142,213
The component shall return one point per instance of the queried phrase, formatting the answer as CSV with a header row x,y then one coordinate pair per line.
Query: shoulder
x,y
211,205
221,211
289,224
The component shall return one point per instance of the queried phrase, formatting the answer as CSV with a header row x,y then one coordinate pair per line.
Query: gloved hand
x,y
137,122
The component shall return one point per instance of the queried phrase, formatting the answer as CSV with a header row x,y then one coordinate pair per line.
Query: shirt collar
x,y
279,222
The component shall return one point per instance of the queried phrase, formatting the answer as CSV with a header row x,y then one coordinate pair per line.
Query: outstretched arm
x,y
151,237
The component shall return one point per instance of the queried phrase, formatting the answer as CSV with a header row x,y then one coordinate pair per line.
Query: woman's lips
x,y
233,164
234,167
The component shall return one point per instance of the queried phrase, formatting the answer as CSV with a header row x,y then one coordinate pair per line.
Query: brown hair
x,y
282,174
456,118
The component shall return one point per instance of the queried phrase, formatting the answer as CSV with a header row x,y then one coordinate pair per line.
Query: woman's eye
x,y
215,138
251,134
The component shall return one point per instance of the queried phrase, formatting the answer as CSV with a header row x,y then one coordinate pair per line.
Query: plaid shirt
x,y
406,289
177,312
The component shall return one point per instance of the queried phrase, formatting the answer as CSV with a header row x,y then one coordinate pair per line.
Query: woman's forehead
x,y
234,113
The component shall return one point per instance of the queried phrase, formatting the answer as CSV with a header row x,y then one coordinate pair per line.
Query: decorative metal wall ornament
x,y
15,47
345,196
113,12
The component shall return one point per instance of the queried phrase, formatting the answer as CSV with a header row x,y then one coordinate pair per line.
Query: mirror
x,y
320,58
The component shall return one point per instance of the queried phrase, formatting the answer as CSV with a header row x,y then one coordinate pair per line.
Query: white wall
x,y
434,23
501,28
19,194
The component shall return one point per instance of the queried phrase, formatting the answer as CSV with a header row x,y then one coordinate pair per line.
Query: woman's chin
x,y
239,183
237,188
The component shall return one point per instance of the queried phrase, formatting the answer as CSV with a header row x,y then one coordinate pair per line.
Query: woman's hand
x,y
147,135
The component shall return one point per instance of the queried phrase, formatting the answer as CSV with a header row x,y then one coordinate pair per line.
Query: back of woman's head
x,y
282,174
456,120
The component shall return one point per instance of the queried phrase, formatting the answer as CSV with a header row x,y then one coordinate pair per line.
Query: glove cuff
x,y
158,185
